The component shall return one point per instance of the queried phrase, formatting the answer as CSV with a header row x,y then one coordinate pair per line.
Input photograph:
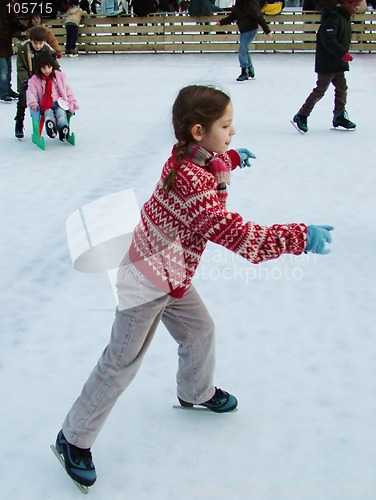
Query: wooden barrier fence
x,y
293,30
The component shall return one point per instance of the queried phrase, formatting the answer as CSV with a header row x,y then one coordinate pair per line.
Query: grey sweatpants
x,y
141,307
338,80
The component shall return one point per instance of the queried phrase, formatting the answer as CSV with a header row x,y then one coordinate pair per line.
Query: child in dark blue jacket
x,y
331,62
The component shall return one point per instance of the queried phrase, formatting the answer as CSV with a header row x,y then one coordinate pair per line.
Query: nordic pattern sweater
x,y
175,227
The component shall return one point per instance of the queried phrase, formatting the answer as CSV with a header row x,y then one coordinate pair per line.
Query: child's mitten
x,y
245,156
317,237
347,57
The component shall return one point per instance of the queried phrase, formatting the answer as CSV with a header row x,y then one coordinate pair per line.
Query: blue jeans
x,y
246,38
57,115
5,76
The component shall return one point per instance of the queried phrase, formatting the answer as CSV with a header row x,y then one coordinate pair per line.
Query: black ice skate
x,y
341,120
77,462
18,129
221,402
243,75
300,123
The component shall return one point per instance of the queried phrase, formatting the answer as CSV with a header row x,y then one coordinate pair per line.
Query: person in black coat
x,y
144,7
199,8
10,27
331,61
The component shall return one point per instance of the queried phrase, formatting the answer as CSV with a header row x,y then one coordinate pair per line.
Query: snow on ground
x,y
295,336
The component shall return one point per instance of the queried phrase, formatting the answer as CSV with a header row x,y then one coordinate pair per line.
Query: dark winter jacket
x,y
200,8
10,27
144,7
311,5
333,41
247,15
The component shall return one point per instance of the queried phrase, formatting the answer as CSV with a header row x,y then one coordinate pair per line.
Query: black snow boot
x,y
243,75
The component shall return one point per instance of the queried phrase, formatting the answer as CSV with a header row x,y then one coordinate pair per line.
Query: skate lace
x,y
342,117
82,455
219,394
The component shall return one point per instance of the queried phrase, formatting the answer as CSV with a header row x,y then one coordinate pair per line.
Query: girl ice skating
x,y
186,210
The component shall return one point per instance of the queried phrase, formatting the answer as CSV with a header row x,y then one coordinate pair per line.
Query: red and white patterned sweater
x,y
171,236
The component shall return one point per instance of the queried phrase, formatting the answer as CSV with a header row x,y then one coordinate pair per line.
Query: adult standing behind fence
x,y
9,27
144,7
72,20
200,8
247,14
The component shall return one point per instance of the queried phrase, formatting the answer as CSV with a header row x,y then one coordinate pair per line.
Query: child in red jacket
x,y
186,210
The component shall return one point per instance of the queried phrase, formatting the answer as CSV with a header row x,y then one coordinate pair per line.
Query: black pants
x,y
338,80
72,34
21,105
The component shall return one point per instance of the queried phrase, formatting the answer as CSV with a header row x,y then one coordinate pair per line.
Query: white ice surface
x,y
295,336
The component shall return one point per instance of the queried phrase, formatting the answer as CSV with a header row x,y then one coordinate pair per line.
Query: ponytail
x,y
170,179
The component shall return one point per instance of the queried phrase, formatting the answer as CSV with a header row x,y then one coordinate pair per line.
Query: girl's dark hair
x,y
194,104
33,16
42,60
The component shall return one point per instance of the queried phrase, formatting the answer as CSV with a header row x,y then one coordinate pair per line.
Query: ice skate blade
x,y
201,408
81,487
342,129
297,128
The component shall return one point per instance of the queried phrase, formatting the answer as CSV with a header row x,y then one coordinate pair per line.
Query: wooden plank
x,y
179,32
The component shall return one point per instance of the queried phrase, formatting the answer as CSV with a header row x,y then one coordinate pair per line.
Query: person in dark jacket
x,y
311,5
10,27
248,17
331,61
144,7
199,8
168,5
